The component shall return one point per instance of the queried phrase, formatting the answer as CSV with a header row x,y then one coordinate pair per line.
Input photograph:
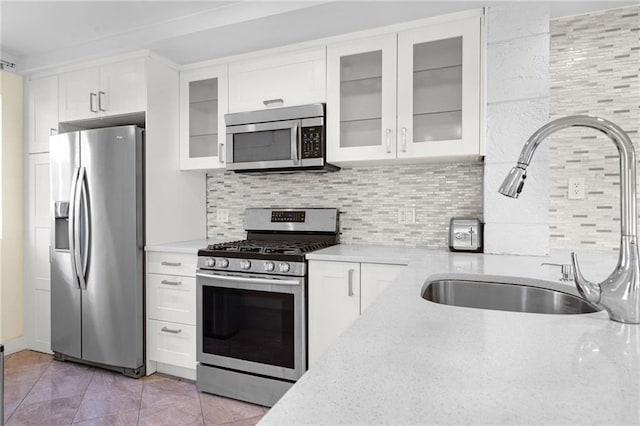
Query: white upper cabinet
x,y
203,103
286,79
106,90
42,113
439,90
435,111
361,99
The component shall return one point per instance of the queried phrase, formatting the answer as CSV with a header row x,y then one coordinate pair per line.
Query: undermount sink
x,y
504,296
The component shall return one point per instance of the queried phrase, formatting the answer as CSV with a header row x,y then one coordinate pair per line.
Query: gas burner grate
x,y
269,247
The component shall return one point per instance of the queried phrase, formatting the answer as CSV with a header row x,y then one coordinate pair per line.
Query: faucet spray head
x,y
513,183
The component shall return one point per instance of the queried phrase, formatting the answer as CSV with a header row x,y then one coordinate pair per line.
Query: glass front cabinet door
x,y
439,90
412,94
203,103
361,100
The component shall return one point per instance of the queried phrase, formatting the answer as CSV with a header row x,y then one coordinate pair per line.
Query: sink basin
x,y
504,296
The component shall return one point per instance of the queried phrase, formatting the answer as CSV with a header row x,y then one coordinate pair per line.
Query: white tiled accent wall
x,y
517,104
367,197
595,67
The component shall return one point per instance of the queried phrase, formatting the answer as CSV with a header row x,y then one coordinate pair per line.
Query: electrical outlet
x,y
406,215
222,215
576,189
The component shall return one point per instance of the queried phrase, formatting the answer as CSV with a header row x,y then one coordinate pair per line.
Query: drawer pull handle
x,y
350,282
167,282
171,263
168,330
268,102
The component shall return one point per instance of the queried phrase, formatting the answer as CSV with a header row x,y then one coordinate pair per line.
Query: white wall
x,y
517,104
11,274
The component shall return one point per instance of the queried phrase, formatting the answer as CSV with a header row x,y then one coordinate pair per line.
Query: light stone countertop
x,y
394,255
190,246
409,361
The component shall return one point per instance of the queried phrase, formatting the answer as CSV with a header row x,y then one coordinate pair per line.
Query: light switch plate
x,y
406,215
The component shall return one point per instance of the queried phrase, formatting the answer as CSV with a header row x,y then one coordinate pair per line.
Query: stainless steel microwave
x,y
277,139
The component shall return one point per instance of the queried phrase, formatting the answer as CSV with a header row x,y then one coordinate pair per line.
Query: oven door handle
x,y
249,280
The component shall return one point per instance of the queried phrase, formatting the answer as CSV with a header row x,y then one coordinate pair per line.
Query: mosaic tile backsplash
x,y
367,197
595,63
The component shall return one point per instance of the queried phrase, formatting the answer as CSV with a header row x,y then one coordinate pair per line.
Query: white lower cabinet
x,y
338,293
172,343
171,313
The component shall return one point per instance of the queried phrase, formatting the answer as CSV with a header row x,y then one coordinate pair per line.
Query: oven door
x,y
253,324
271,145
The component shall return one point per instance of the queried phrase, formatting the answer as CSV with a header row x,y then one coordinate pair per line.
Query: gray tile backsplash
x,y
368,199
595,64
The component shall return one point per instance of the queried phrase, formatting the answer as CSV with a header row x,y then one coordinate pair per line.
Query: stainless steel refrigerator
x,y
97,240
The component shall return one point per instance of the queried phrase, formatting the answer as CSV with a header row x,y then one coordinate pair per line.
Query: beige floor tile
x,y
13,396
245,422
101,405
54,412
58,387
26,358
121,419
24,374
167,392
155,377
218,410
114,384
180,413
64,369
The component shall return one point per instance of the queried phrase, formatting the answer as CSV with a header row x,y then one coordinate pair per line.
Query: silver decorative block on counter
x,y
465,234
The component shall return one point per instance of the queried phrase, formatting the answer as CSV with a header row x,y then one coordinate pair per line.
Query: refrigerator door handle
x,y
79,269
72,225
87,225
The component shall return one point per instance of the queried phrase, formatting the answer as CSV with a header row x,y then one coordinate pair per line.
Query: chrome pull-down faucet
x,y
619,294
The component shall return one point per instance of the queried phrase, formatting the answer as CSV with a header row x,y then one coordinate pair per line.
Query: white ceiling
x,y
40,34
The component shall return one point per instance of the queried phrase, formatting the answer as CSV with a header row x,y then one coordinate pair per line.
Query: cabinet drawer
x,y
172,298
172,343
172,263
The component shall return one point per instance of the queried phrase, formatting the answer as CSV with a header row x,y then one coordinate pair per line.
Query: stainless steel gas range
x,y
252,304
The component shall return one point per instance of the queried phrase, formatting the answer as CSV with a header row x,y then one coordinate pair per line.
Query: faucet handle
x,y
565,268
587,289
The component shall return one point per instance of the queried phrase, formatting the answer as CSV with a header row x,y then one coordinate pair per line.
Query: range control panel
x,y
312,142
288,216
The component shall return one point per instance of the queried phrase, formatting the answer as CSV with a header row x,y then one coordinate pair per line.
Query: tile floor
x,y
42,391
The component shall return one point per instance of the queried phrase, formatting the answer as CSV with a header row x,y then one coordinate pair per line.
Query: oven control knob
x,y
245,264
269,266
210,263
223,263
284,267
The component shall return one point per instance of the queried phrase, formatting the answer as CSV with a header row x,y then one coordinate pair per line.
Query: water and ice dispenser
x,y
61,231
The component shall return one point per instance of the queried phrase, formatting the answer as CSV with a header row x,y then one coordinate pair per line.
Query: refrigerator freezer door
x,y
112,304
65,292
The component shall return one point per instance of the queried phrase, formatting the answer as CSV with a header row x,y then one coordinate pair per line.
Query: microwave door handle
x,y
295,142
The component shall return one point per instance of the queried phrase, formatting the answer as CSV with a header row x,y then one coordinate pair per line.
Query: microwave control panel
x,y
312,142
